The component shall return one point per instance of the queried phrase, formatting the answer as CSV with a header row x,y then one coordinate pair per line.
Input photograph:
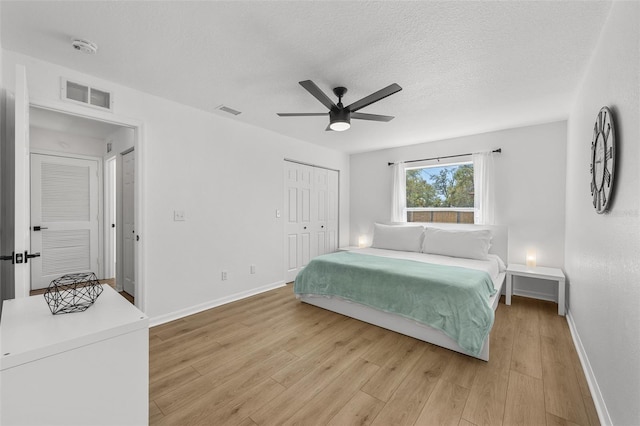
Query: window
x,y
440,193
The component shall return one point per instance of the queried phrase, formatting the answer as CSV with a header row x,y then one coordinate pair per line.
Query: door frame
x,y
110,204
139,202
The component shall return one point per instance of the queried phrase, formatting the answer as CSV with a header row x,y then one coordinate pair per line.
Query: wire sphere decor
x,y
72,293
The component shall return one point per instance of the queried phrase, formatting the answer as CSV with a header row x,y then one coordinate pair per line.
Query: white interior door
x,y
298,245
64,217
21,183
128,222
332,210
319,217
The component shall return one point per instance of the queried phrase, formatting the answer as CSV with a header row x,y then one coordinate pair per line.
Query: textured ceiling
x,y
465,67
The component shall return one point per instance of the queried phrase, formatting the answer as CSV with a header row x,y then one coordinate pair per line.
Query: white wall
x,y
603,251
65,143
530,190
227,177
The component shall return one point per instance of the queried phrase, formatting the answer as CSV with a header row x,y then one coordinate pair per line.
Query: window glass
x,y
441,193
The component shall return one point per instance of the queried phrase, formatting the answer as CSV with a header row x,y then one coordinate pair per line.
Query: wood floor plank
x,y
168,383
332,350
558,421
488,395
360,410
445,405
300,393
563,396
155,415
328,402
393,372
406,403
461,370
209,410
163,364
383,349
304,343
525,401
221,391
526,349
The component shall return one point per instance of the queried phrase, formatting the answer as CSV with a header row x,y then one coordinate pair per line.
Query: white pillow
x,y
405,238
457,243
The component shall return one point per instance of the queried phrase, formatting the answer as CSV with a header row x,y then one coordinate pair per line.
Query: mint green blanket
x,y
452,299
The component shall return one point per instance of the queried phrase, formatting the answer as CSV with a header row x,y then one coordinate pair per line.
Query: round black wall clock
x,y
603,156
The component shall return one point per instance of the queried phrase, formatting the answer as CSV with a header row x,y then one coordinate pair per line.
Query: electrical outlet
x,y
178,216
277,213
224,275
252,268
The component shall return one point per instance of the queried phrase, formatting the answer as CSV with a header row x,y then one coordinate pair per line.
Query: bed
x,y
373,284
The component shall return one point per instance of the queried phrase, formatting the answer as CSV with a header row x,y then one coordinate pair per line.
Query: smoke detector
x,y
84,46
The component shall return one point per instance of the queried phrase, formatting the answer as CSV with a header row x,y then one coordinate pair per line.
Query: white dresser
x,y
84,368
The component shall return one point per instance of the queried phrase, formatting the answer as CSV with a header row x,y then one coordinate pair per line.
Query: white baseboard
x,y
161,319
598,400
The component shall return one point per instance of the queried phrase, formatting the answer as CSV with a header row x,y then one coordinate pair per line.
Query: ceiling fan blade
x,y
374,97
317,93
302,114
371,117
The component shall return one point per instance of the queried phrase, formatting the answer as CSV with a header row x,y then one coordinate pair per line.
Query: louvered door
x,y
64,217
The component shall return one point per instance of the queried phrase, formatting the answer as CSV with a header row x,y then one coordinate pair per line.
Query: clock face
x,y
602,160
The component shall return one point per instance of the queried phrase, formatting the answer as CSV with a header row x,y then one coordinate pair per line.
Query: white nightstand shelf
x,y
541,272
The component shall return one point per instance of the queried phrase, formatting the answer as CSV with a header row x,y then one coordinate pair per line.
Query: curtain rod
x,y
499,150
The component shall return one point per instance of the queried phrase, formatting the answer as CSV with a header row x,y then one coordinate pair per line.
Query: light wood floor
x,y
271,360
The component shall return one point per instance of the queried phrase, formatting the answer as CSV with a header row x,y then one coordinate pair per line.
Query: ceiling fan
x,y
339,115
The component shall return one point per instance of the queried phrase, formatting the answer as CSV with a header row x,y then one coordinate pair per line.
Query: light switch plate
x,y
178,215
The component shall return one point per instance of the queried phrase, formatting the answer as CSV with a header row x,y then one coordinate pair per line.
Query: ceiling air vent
x,y
228,110
86,95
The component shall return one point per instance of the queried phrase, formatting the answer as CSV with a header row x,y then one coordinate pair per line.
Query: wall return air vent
x,y
86,95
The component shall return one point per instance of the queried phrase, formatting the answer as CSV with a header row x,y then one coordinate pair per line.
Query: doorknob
x,y
37,228
30,256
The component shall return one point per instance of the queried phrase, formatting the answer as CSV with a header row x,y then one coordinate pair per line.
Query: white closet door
x,y
311,215
298,198
64,217
319,219
332,210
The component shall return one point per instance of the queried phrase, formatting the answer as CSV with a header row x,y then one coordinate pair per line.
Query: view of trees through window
x,y
447,190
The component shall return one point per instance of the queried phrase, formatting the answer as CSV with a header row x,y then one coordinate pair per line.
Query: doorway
x,y
82,159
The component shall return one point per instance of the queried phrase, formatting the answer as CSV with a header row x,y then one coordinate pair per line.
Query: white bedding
x,y
493,266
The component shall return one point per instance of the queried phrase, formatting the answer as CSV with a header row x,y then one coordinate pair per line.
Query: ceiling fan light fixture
x,y
340,120
339,126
